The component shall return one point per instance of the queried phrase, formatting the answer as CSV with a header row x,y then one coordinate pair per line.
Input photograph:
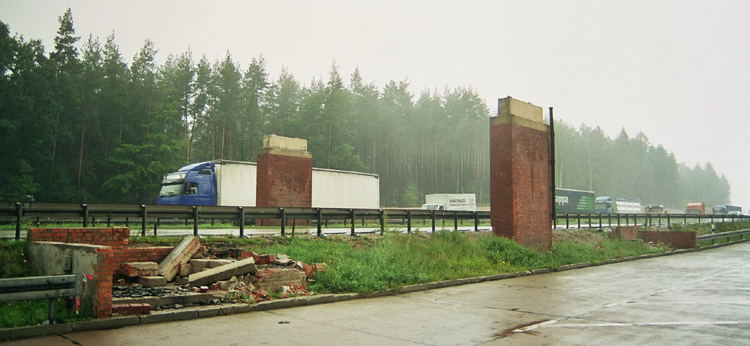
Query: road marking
x,y
534,326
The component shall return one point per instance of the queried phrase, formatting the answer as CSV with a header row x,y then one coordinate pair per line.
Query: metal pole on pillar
x,y
552,161
242,221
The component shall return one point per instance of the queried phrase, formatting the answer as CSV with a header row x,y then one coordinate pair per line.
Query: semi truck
x,y
695,208
450,201
233,183
725,209
607,204
574,201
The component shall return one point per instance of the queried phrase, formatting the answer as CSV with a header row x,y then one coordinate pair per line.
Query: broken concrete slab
x,y
223,272
282,259
134,269
272,280
152,281
180,255
184,269
213,263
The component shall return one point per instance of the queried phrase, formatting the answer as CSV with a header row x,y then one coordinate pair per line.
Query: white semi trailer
x,y
450,201
233,183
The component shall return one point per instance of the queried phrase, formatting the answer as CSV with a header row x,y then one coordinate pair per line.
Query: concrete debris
x,y
282,259
135,269
223,272
180,255
152,281
131,309
184,269
272,279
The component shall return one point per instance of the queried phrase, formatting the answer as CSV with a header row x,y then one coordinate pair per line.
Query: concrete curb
x,y
231,309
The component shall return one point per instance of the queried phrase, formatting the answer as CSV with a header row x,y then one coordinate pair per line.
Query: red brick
x,y
520,184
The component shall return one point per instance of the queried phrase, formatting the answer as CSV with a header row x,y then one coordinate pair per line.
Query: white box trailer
x,y
233,183
450,201
344,189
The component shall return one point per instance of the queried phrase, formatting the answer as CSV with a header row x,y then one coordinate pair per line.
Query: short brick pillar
x,y
284,176
520,193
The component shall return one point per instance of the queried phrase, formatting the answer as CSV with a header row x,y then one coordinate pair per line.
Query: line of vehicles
x,y
578,201
233,183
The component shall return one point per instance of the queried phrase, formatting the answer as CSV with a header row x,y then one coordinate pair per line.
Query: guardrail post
x,y
476,222
600,220
144,215
567,220
432,216
579,220
85,215
685,221
283,221
352,216
455,221
381,216
627,220
195,220
320,220
590,221
109,219
156,226
408,221
242,221
51,314
19,219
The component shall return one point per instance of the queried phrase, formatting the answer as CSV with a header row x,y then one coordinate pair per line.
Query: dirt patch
x,y
578,236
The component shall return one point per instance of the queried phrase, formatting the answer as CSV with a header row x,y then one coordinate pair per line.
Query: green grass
x,y
34,312
396,260
13,259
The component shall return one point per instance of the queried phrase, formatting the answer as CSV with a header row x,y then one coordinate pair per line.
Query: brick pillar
x,y
520,174
284,176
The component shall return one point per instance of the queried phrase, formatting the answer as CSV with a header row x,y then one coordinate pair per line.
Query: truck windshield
x,y
170,189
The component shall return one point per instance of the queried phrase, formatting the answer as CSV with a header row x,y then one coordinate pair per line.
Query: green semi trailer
x,y
574,201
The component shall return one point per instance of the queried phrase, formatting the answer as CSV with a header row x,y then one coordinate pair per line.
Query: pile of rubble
x,y
223,273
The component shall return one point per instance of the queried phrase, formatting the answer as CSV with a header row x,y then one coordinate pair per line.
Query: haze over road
x,y
675,70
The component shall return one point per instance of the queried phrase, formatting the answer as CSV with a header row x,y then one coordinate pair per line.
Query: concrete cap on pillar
x,y
288,143
510,106
512,111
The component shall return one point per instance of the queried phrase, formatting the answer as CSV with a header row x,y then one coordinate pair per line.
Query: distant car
x,y
734,212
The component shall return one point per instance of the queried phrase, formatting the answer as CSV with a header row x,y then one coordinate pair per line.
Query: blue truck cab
x,y
193,184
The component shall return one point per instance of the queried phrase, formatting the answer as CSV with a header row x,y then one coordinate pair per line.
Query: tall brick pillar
x,y
520,174
284,176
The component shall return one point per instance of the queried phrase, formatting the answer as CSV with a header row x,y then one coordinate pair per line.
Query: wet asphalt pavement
x,y
696,298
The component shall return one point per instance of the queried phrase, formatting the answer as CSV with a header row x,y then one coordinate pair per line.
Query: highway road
x,y
696,298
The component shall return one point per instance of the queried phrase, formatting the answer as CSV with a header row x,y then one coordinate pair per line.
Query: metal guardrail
x,y
88,213
42,287
17,212
713,236
598,220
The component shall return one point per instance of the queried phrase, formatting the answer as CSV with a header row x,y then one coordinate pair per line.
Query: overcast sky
x,y
677,70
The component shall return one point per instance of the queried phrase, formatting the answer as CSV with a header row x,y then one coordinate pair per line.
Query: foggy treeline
x,y
632,167
84,125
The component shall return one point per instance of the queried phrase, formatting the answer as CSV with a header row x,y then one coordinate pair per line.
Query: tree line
x,y
84,125
632,167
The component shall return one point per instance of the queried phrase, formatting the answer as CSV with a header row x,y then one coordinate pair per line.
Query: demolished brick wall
x,y
112,258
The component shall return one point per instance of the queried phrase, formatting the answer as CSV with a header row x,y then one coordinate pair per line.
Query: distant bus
x,y
607,204
574,201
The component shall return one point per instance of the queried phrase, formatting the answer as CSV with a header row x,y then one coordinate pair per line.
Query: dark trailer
x,y
574,201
